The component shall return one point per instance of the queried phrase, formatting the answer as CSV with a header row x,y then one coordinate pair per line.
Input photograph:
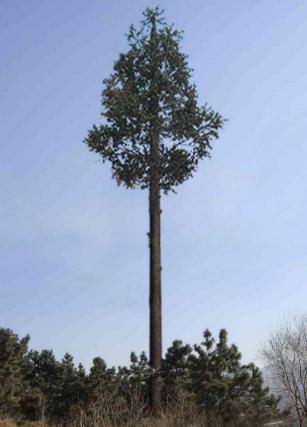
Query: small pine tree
x,y
97,372
225,387
69,386
43,374
14,389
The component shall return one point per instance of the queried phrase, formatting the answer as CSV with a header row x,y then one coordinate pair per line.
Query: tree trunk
x,y
155,278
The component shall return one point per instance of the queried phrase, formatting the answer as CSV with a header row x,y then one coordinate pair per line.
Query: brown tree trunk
x,y
155,278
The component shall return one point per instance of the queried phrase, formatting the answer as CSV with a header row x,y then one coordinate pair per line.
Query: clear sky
x,y
73,246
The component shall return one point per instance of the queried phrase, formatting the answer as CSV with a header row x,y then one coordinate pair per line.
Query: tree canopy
x,y
150,88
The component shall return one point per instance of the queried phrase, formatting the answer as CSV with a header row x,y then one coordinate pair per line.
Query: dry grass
x,y
166,420
110,409
10,423
6,422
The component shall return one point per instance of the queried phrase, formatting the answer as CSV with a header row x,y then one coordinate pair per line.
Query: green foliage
x,y
219,384
224,386
150,91
207,377
14,388
58,385
98,373
71,388
45,378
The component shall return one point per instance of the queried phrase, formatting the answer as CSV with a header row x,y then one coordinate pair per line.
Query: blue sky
x,y
73,246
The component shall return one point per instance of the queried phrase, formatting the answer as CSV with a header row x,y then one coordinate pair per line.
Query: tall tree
x,y
154,133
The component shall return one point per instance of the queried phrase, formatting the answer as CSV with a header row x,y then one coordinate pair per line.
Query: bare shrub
x,y
112,407
286,356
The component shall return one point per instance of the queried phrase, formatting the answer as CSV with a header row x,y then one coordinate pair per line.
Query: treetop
x,y
149,95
